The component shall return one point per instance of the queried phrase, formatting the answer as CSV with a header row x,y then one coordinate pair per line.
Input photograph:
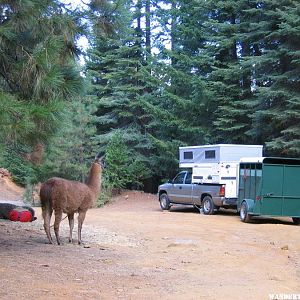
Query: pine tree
x,y
158,106
69,152
117,161
229,83
37,68
277,86
119,74
183,101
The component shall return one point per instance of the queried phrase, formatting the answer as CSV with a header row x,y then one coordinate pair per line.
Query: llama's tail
x,y
45,196
46,202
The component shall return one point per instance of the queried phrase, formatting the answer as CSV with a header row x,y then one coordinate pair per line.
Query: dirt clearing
x,y
133,250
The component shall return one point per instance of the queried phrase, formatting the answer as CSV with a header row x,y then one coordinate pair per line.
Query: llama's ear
x,y
99,158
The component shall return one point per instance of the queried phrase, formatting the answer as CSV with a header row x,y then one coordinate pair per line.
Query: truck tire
x,y
296,221
208,206
164,201
244,213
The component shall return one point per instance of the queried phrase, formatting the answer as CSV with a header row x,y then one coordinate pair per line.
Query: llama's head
x,y
95,172
99,160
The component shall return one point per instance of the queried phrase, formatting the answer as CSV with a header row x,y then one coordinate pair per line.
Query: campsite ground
x,y
133,250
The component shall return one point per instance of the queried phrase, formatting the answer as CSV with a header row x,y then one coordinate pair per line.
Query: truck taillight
x,y
222,191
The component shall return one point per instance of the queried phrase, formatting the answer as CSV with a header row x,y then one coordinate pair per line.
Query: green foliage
x,y
202,71
117,160
137,172
106,193
151,102
123,169
37,68
228,83
14,117
13,159
277,64
25,122
70,151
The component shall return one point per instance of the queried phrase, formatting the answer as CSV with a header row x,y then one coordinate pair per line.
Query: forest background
x,y
156,75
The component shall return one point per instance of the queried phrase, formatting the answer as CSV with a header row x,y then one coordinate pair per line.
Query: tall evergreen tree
x,y
276,69
37,69
205,74
183,71
117,67
228,82
157,105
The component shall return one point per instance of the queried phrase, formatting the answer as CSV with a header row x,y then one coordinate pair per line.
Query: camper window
x,y
210,154
188,155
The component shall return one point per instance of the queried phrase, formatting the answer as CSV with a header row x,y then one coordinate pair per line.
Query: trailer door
x,y
291,191
272,190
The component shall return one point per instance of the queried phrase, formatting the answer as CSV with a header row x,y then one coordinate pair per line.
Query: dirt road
x,y
133,250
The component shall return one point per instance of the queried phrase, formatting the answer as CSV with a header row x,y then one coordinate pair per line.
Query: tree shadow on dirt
x,y
232,213
192,209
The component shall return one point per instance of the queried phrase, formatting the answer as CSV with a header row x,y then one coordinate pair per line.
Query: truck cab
x,y
181,190
213,180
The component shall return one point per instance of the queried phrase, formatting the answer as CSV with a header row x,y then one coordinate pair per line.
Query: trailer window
x,y
210,154
250,180
188,155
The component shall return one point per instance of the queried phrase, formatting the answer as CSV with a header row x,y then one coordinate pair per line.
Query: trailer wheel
x,y
164,201
244,214
296,221
208,206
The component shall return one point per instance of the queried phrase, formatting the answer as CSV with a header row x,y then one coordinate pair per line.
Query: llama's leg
x,y
58,217
71,225
47,213
81,218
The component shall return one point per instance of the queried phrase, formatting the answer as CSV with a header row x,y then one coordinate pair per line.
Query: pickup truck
x,y
181,190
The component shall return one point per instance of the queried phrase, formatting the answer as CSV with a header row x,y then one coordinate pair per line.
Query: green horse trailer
x,y
269,187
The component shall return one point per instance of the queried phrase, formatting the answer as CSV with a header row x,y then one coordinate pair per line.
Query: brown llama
x,y
67,196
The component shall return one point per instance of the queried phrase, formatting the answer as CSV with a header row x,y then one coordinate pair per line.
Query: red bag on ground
x,y
13,215
25,216
22,216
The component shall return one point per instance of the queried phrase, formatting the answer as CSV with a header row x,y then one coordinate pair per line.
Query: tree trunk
x,y
148,28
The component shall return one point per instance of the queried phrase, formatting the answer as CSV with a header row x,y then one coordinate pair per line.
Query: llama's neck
x,y
93,180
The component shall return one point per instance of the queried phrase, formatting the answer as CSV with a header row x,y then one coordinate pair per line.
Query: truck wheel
x,y
244,214
208,206
296,221
164,201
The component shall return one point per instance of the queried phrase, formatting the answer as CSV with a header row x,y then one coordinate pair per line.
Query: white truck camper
x,y
217,164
